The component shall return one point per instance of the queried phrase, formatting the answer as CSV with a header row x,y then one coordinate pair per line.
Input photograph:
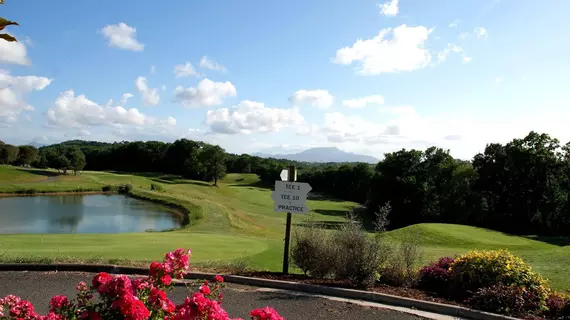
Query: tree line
x,y
519,187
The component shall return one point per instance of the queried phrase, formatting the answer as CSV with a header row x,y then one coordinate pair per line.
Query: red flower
x,y
51,316
266,313
166,280
155,268
131,308
205,290
120,286
219,278
100,281
58,302
95,316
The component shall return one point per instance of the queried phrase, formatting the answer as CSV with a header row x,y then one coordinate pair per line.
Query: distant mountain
x,y
327,154
36,144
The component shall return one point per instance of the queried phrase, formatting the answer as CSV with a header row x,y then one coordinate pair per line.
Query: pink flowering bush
x,y
139,299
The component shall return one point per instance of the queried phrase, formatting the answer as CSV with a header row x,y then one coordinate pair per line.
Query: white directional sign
x,y
285,174
291,197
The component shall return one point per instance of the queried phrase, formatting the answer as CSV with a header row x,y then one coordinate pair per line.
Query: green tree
x,y
76,159
213,160
26,155
8,153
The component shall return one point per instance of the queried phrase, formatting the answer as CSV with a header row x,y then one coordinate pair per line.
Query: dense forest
x,y
520,187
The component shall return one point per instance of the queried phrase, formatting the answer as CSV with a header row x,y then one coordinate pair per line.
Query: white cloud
x,y
13,53
481,32
207,93
403,52
389,9
185,70
467,59
13,90
363,102
316,98
251,117
78,112
454,23
451,48
463,35
152,69
150,96
208,63
125,97
122,36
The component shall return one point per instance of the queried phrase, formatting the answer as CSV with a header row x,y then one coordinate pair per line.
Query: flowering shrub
x,y
558,306
508,299
481,269
435,277
139,299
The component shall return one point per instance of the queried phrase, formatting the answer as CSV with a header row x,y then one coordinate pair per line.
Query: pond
x,y
83,214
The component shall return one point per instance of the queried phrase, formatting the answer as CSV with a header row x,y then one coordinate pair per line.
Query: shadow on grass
x,y
316,196
258,184
40,172
165,178
335,213
328,225
557,241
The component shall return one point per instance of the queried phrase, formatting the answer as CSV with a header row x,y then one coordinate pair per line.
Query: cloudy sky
x,y
365,76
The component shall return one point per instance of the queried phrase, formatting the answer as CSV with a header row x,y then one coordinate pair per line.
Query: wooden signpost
x,y
291,197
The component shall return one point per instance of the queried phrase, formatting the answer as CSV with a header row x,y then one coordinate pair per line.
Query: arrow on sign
x,y
291,197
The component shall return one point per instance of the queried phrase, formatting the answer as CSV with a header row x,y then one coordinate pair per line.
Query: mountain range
x,y
326,154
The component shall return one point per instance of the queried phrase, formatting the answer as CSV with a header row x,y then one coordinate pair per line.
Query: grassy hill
x,y
239,225
549,256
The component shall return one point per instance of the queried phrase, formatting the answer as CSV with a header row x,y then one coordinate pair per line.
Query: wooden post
x,y
290,177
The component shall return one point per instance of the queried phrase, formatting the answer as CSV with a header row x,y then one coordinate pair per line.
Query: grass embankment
x,y
238,225
238,222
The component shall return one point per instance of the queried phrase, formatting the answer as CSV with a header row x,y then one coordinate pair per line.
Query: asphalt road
x,y
39,287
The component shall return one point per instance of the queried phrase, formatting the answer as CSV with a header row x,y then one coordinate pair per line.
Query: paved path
x,y
38,287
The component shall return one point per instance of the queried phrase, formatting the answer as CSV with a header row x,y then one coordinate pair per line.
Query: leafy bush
x,y
125,188
312,251
480,269
435,277
357,256
508,299
558,306
156,187
109,188
400,268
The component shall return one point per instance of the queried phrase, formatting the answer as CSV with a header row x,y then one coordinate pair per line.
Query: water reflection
x,y
82,214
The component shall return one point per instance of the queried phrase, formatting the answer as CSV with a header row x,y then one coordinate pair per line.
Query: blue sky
x,y
365,76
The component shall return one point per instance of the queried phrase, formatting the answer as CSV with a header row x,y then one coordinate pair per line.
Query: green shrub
x,y
511,300
401,267
481,269
312,252
125,188
156,187
109,188
357,257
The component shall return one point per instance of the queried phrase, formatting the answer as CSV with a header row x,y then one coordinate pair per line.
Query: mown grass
x,y
548,256
238,226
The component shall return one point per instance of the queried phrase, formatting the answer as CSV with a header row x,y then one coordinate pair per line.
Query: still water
x,y
83,214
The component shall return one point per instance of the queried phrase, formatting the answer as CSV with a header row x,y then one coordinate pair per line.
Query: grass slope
x,y
548,256
239,223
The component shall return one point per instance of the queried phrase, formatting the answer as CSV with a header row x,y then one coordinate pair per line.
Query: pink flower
x,y
219,278
266,313
166,280
58,302
155,269
205,290
100,282
51,316
120,286
82,286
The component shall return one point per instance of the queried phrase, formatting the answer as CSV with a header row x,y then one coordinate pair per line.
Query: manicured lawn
x,y
239,223
550,257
